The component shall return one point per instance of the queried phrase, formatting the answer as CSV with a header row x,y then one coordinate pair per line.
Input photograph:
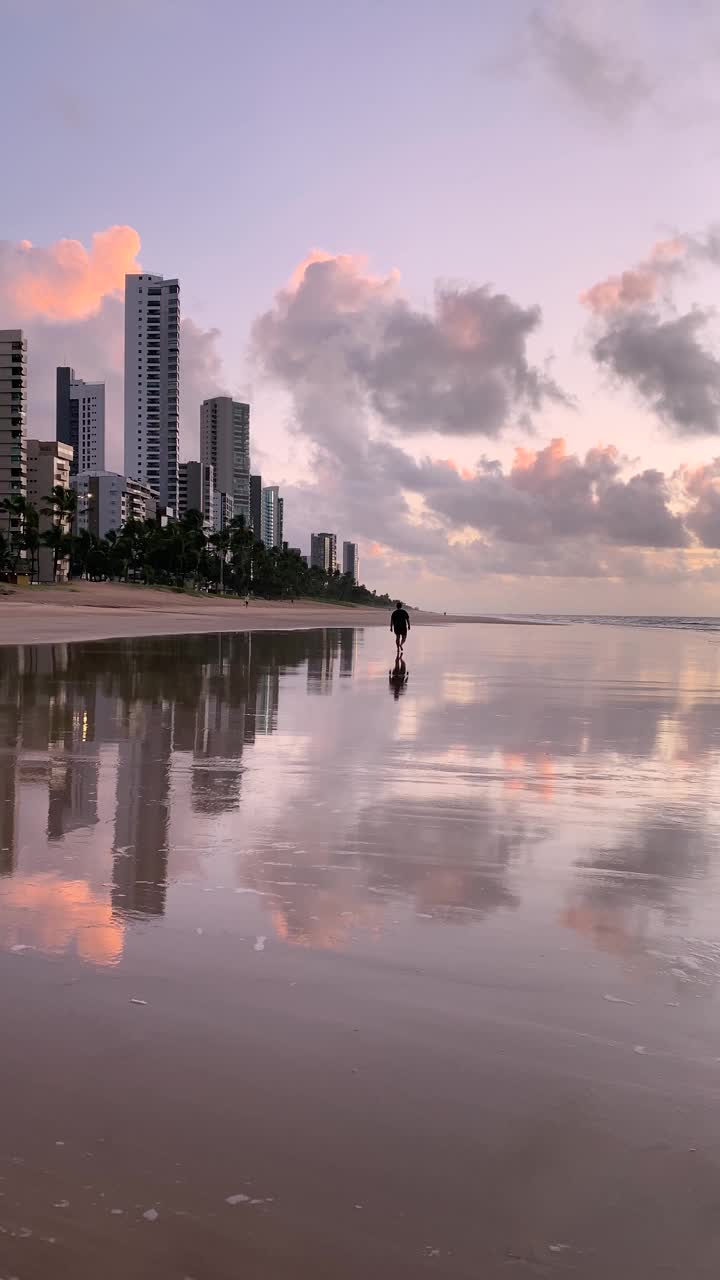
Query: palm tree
x,y
61,507
82,548
17,508
221,542
31,540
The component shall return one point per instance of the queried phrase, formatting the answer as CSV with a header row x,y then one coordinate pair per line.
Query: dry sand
x,y
108,610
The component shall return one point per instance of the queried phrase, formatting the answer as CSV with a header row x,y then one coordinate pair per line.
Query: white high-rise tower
x,y
152,393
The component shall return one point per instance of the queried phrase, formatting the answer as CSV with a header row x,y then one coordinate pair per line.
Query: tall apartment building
x,y
105,500
271,529
225,445
222,510
152,392
13,403
256,506
48,464
351,562
196,487
80,419
323,551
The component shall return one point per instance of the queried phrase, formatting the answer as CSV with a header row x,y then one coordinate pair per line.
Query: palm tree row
x,y
179,553
20,543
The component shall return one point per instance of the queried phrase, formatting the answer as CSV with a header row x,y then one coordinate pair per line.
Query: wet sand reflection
x,y
327,981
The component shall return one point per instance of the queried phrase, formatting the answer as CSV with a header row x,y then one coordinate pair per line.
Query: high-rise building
x,y
13,436
271,516
80,419
48,463
323,551
280,531
105,500
152,393
225,445
351,562
256,506
195,489
222,510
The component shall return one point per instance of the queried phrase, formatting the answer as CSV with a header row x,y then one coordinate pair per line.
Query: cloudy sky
x,y
462,258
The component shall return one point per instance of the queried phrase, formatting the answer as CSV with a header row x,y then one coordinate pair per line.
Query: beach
x,y
103,610
307,972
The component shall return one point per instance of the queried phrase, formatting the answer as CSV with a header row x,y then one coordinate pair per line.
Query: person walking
x,y
400,624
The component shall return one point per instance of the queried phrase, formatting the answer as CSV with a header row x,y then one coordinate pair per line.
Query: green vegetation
x,y
178,553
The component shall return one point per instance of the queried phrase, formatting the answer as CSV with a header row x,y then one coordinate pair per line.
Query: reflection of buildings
x,y
142,812
267,699
348,641
152,702
73,795
322,658
10,720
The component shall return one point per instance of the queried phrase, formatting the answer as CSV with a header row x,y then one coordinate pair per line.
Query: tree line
x,y
178,553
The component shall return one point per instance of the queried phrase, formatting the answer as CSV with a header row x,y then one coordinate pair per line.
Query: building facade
x,y
48,465
323,551
222,510
225,445
13,435
80,419
196,487
271,530
105,500
256,506
351,562
152,389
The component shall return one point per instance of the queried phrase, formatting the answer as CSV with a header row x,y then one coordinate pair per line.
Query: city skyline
x,y
501,409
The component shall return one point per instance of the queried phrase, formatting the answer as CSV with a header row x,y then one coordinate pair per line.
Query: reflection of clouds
x,y
323,919
451,860
629,892
203,748
53,915
445,859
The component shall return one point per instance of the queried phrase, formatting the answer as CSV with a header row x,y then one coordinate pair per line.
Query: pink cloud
x,y
65,281
639,285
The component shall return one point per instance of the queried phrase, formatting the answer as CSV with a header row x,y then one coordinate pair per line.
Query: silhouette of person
x,y
398,677
400,624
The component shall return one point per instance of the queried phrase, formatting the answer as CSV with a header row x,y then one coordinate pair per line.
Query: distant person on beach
x,y
400,624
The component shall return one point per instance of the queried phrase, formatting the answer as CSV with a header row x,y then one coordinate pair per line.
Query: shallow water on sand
x,y
304,973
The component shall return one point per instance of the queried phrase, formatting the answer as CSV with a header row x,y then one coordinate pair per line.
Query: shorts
x,y
401,634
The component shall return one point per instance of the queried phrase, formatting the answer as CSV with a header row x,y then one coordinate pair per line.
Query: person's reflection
x,y
398,677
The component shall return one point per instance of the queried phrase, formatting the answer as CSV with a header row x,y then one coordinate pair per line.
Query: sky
x,y
461,258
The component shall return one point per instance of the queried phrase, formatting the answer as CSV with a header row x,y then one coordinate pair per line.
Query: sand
x,y
110,610
301,981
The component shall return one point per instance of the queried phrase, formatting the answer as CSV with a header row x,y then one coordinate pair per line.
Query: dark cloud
x,y
597,74
461,370
668,364
551,513
702,485
549,496
644,342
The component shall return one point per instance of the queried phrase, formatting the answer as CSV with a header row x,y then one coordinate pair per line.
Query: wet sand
x,y
104,610
300,978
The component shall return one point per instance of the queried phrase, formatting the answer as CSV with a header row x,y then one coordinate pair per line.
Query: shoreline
x,y
90,611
